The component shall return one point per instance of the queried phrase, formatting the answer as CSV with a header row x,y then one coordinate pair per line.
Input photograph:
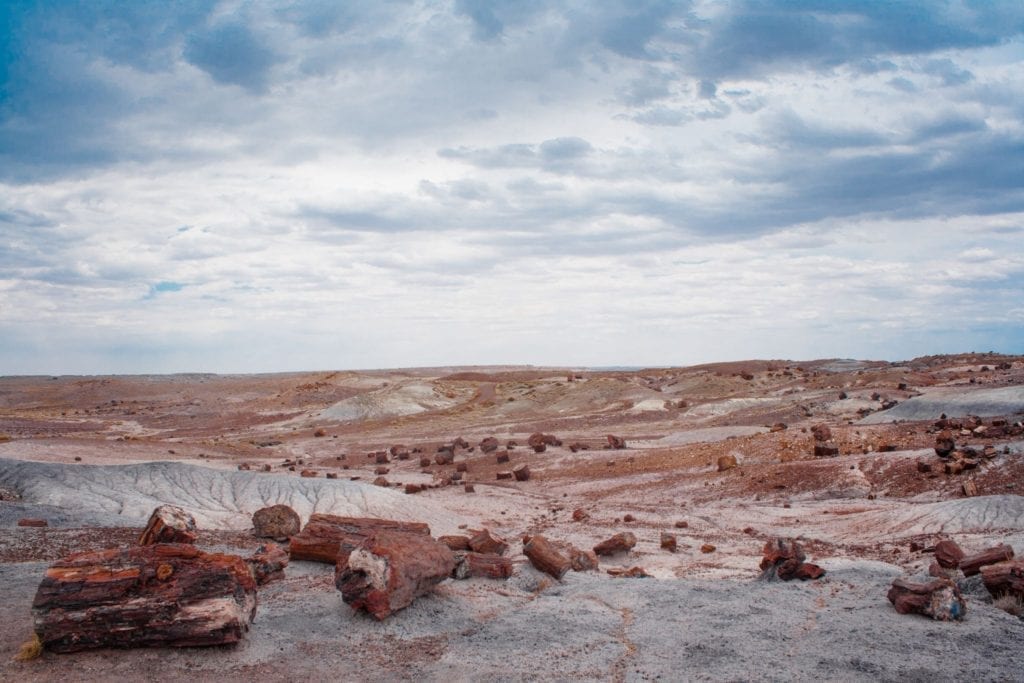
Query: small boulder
x,y
278,522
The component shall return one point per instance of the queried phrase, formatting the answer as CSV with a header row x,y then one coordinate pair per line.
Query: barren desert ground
x,y
722,456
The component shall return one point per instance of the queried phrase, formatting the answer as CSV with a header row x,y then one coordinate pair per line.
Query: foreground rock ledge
x,y
156,595
390,570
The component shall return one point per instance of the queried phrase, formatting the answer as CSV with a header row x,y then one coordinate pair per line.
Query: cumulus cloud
x,y
373,184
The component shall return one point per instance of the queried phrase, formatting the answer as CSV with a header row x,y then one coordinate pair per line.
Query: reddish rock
x,y
1005,578
381,458
489,445
382,482
581,560
825,450
615,442
539,442
923,467
328,538
278,522
939,599
972,564
169,524
682,524
28,521
726,462
944,444
707,548
460,443
628,518
948,554
381,471
462,467
445,457
162,594
425,462
398,450
821,432
483,565
389,570
778,427
502,457
268,563
320,433
619,543
309,474
783,558
668,542
504,475
468,488
521,472
579,514
545,557
484,542
631,573
456,543
413,488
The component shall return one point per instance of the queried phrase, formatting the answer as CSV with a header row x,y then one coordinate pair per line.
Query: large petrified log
x,y
545,557
278,522
329,538
784,559
390,570
948,554
169,524
1005,578
619,543
268,563
972,564
159,594
485,565
939,599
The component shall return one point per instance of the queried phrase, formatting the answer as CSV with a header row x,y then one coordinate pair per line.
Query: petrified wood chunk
x,y
159,594
1004,578
619,543
545,557
390,570
668,542
972,564
455,542
31,521
821,432
615,442
169,524
582,560
484,565
825,449
784,559
948,554
579,515
502,457
413,488
329,538
521,472
726,462
944,444
505,474
489,445
268,563
484,542
278,522
631,573
939,599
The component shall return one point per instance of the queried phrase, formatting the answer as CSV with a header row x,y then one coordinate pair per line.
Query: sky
x,y
304,185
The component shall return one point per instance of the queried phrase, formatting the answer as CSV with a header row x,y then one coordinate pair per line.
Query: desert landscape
x,y
682,477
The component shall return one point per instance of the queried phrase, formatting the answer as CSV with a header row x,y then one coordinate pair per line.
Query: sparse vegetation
x,y
1011,604
30,649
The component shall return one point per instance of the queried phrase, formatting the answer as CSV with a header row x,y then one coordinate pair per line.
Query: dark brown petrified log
x,y
939,599
153,595
169,524
390,570
543,555
1004,578
972,564
485,565
948,554
521,472
328,538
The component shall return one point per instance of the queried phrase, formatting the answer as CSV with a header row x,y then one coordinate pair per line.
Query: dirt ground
x,y
93,455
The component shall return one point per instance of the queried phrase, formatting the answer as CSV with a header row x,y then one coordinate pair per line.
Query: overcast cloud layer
x,y
261,186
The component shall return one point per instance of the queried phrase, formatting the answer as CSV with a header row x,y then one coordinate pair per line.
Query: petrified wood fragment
x,y
329,538
169,524
521,472
668,542
278,522
784,559
619,543
489,445
545,557
939,599
948,554
390,570
615,442
502,457
485,542
268,563
455,542
1005,578
972,564
159,594
484,565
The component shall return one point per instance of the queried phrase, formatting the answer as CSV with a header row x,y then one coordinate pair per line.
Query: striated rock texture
x,y
390,570
330,538
169,524
154,595
939,599
278,522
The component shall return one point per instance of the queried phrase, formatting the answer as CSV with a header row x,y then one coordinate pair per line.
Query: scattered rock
x,y
545,557
484,542
268,563
972,564
28,521
278,522
939,599
320,433
309,474
708,548
615,442
169,524
483,565
619,543
489,445
456,543
502,457
579,515
682,524
631,573
726,462
1005,578
668,542
521,472
778,427
948,554
784,559
945,444
504,475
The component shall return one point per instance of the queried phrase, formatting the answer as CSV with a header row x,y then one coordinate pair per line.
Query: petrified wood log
x,y
278,522
504,475
543,555
619,543
268,563
784,559
169,524
329,538
159,594
668,542
489,445
502,457
484,542
948,554
1004,578
582,560
631,573
390,570
33,522
939,599
972,564
521,472
485,565
455,542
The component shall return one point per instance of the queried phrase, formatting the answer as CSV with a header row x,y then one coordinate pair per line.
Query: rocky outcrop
x,y
278,522
169,524
162,594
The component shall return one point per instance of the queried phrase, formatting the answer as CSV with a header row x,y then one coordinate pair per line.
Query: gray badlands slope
x,y
954,402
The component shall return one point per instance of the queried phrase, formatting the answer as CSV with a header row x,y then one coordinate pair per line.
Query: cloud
x,y
232,54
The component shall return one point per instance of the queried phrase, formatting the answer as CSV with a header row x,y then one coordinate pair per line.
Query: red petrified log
x,y
504,474
544,557
948,554
619,543
521,472
972,564
502,457
939,599
484,565
169,524
30,521
484,542
489,445
153,595
668,541
582,560
328,538
268,563
390,570
1004,578
784,558
455,542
